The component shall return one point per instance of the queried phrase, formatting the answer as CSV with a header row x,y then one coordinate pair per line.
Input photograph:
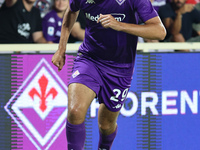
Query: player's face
x,y
60,5
179,3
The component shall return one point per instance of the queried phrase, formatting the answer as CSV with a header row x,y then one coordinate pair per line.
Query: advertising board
x,y
161,110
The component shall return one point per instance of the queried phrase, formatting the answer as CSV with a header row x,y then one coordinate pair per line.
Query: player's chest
x,y
105,6
120,9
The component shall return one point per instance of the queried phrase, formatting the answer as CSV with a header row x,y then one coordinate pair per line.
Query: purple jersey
x,y
51,25
114,52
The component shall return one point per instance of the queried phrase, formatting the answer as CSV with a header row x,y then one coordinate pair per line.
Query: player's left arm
x,y
151,29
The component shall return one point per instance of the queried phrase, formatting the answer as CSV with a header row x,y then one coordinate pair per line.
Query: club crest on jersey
x,y
90,2
120,2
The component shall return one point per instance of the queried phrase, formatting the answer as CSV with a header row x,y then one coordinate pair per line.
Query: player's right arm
x,y
152,29
10,3
69,19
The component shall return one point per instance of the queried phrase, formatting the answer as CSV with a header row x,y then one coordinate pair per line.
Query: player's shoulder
x,y
140,3
75,4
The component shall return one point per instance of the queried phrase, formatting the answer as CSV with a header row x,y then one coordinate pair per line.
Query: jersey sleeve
x,y
144,9
74,5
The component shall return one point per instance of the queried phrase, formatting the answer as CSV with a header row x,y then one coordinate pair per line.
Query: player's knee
x,y
107,127
75,115
104,127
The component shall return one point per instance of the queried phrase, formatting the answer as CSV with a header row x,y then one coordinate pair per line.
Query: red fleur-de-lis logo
x,y
43,82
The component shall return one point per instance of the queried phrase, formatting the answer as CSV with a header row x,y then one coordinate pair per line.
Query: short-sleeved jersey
x,y
51,26
17,24
188,19
113,51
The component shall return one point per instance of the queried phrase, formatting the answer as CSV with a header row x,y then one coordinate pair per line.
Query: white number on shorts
x,y
118,92
124,94
115,98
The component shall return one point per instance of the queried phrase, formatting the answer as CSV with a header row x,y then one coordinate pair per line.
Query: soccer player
x,y
104,64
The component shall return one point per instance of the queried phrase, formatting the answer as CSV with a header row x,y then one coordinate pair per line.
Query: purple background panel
x,y
22,67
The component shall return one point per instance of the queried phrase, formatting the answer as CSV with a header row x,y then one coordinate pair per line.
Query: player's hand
x,y
58,59
108,21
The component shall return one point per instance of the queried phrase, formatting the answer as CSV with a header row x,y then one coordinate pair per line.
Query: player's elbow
x,y
157,33
162,33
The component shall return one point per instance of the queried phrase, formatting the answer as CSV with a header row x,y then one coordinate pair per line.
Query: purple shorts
x,y
110,90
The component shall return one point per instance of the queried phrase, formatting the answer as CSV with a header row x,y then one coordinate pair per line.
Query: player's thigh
x,y
79,98
106,118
